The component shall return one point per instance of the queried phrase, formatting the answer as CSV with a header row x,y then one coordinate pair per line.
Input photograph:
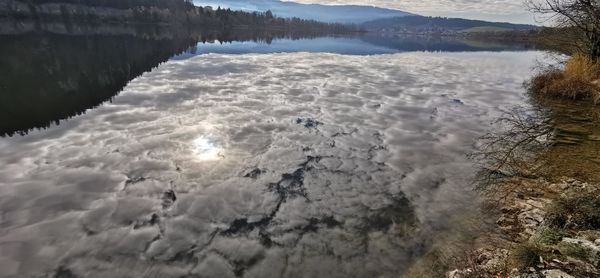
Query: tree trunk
x,y
595,47
596,51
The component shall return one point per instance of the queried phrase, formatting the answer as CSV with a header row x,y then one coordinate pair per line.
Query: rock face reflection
x,y
328,166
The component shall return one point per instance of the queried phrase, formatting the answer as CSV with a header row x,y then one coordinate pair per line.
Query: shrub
x,y
578,80
580,211
527,255
583,67
551,236
573,250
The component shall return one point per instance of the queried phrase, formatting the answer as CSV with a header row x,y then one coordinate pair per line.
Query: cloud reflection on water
x,y
331,159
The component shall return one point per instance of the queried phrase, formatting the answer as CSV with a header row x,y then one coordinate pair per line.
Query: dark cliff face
x,y
66,75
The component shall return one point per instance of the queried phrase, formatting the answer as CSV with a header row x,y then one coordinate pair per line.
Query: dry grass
x,y
527,255
582,66
579,80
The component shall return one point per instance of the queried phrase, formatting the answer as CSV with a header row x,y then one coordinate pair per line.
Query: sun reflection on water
x,y
206,149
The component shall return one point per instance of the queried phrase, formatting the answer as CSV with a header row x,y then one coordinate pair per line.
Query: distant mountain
x,y
325,13
432,25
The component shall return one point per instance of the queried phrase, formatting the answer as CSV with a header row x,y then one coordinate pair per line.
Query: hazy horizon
x,y
512,11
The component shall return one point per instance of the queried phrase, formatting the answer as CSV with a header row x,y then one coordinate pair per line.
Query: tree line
x,y
123,4
182,12
416,21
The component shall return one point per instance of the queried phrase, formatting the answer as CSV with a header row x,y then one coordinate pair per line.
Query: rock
x,y
563,186
523,218
488,260
168,199
529,212
459,273
308,122
453,274
528,275
505,221
592,249
591,235
555,273
531,219
491,261
254,173
540,204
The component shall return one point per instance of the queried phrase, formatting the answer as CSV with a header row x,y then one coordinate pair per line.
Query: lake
x,y
220,156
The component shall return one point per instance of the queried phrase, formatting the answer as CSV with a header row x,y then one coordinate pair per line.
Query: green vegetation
x,y
573,250
551,236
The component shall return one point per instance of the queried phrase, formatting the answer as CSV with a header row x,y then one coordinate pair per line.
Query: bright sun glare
x,y
205,149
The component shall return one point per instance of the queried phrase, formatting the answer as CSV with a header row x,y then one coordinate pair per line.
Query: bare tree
x,y
583,15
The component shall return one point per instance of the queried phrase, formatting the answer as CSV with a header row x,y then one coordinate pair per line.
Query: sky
x,y
493,10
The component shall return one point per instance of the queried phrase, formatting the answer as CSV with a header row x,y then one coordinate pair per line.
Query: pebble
x,y
555,273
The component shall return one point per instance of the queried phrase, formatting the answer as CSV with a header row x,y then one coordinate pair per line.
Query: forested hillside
x,y
339,13
123,4
425,24
170,12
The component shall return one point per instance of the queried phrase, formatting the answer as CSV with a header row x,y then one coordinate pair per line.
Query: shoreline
x,y
522,206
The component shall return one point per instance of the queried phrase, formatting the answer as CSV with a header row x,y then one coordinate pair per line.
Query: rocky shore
x,y
544,229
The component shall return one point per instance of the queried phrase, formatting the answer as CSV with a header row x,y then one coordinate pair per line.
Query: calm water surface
x,y
237,160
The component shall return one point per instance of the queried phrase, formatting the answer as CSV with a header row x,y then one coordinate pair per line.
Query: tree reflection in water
x,y
551,139
49,74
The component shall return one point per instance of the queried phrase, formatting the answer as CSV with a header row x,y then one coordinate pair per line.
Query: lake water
x,y
326,157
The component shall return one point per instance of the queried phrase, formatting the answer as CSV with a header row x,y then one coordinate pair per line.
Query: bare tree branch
x,y
584,15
